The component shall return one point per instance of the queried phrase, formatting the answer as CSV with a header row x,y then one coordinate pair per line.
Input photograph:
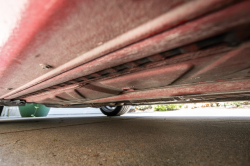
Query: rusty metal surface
x,y
151,45
172,46
110,90
223,86
156,77
55,32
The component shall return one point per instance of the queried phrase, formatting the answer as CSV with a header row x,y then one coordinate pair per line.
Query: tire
x,y
1,110
115,111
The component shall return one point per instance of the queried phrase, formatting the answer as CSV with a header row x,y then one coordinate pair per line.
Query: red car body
x,y
81,53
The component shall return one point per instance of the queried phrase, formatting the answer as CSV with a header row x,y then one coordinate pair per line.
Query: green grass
x,y
167,107
143,107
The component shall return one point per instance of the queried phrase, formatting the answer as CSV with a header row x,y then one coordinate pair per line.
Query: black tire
x,y
115,111
1,110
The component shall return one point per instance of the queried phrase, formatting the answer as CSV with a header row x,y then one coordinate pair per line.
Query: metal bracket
x,y
6,102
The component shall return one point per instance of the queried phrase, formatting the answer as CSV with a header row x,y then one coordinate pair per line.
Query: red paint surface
x,y
202,28
83,38
61,52
33,20
180,76
55,32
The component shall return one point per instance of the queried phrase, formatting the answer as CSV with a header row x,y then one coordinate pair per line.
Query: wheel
x,y
1,110
115,111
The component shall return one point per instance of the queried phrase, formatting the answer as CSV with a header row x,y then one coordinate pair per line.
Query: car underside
x,y
113,53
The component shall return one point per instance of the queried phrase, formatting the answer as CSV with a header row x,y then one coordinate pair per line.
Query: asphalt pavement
x,y
168,138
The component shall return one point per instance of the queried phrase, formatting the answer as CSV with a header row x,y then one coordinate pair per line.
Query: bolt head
x,y
45,66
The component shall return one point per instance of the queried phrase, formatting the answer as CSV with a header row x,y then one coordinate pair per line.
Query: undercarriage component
x,y
4,102
118,53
